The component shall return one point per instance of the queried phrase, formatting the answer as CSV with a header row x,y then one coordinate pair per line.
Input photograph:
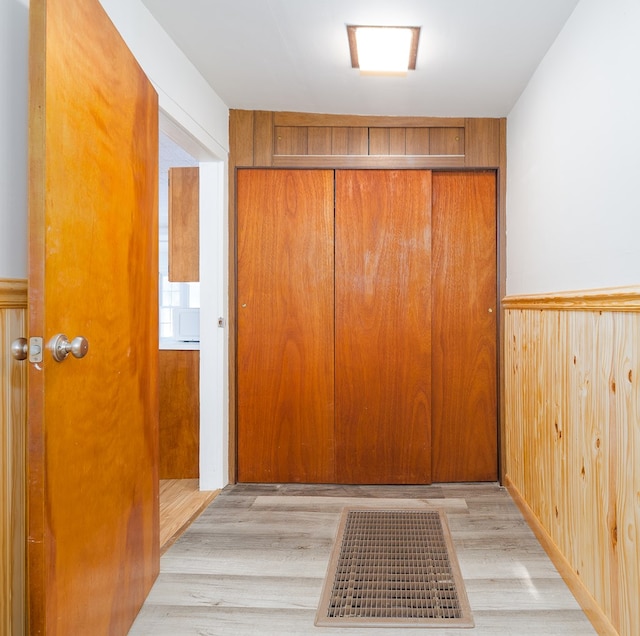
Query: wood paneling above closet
x,y
358,140
264,139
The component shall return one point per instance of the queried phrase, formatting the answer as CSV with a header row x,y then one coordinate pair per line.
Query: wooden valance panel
x,y
371,141
270,139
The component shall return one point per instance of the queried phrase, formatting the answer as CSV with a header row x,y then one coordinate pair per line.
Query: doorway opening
x,y
191,358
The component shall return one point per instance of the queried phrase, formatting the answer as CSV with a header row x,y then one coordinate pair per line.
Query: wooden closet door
x,y
464,393
383,313
285,326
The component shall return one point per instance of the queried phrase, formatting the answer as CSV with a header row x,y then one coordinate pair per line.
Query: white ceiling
x,y
475,56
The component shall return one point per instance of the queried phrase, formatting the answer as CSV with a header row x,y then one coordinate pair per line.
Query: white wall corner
x,y
573,216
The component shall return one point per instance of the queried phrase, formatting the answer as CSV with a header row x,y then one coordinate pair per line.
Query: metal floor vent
x,y
393,568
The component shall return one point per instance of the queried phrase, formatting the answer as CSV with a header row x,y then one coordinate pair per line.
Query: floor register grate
x,y
393,568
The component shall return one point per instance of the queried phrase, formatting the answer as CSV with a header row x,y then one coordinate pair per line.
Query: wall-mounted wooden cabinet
x,y
184,226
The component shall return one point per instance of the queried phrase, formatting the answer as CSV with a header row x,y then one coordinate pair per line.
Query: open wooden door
x,y
93,547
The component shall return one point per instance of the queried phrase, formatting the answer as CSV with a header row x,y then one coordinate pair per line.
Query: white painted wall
x,y
14,27
573,207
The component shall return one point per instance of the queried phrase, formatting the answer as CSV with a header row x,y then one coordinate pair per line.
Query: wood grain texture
x,y
482,142
92,433
383,339
13,418
263,138
13,293
285,326
254,563
184,224
283,118
319,140
241,138
592,610
179,391
397,141
379,142
349,141
446,141
291,140
417,141
239,126
181,502
573,442
343,126
606,299
464,312
501,239
373,141
373,162
282,139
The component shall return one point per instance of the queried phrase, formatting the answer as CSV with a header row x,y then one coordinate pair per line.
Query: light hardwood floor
x,y
180,503
255,560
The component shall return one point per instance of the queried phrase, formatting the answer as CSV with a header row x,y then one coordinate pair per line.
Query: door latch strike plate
x,y
35,349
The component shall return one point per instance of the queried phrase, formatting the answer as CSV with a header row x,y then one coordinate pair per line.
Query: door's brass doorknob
x,y
61,347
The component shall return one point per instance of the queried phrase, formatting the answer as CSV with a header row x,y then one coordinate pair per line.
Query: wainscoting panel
x,y
572,435
13,417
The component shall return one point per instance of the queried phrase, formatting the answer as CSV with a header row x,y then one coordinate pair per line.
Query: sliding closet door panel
x,y
285,325
383,345
465,311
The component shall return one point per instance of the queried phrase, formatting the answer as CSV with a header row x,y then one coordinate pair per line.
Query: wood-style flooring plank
x,y
181,501
254,562
335,504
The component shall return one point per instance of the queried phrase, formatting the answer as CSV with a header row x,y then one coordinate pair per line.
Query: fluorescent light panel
x,y
383,50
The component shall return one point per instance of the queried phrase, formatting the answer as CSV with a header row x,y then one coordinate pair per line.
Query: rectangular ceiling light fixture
x,y
380,50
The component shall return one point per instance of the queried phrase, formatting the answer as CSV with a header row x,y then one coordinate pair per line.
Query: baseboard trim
x,y
594,613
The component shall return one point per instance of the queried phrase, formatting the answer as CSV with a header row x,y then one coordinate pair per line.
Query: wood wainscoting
x,y
572,438
13,416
